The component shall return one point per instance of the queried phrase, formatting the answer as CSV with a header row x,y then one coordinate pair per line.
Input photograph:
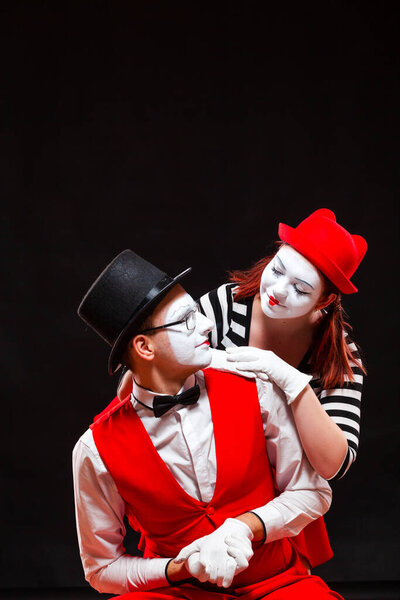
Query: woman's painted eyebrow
x,y
282,265
297,278
302,281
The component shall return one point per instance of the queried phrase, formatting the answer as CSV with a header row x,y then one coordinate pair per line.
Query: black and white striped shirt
x,y
232,328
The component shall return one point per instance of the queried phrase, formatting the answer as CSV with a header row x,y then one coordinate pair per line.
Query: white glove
x,y
195,568
266,365
219,361
223,553
223,577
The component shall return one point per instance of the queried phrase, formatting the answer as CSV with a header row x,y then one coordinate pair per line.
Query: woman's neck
x,y
289,338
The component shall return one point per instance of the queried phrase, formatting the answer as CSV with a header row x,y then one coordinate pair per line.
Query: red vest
x,y
158,507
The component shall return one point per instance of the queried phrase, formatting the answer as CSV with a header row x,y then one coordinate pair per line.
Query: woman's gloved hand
x,y
219,361
223,553
266,365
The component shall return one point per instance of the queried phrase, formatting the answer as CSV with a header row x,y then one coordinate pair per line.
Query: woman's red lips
x,y
273,300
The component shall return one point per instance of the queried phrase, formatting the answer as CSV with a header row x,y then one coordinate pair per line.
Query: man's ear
x,y
143,346
324,303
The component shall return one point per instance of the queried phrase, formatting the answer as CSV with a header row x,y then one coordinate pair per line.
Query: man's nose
x,y
205,324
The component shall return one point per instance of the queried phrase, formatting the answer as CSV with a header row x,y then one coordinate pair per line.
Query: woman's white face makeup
x,y
290,285
190,347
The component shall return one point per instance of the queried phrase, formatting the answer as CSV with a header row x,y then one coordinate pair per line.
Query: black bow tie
x,y
162,404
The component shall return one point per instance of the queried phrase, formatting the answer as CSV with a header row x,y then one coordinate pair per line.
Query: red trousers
x,y
294,583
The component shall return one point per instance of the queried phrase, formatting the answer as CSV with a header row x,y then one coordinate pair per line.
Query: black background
x,y
185,131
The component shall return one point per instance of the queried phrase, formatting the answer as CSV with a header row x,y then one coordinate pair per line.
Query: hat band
x,y
151,294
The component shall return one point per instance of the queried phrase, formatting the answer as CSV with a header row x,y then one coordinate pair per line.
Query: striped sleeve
x,y
217,306
343,405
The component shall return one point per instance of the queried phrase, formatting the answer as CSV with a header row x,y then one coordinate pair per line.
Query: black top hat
x,y
121,298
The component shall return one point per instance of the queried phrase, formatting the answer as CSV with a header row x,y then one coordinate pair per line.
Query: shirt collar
x,y
146,396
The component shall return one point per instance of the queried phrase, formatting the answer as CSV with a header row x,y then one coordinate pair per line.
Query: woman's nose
x,y
280,293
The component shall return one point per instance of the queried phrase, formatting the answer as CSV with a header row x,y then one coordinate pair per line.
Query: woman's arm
x,y
343,406
328,424
323,441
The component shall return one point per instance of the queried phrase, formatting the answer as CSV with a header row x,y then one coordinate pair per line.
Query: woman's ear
x,y
326,301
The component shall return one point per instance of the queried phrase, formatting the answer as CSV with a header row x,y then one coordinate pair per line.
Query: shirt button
x,y
210,510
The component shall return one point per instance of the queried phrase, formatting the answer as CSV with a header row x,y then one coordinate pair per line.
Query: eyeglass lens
x,y
191,320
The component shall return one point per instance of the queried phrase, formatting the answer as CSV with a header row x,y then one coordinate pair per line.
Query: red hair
x,y
331,356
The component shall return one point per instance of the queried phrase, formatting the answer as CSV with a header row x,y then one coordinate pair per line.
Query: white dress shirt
x,y
184,438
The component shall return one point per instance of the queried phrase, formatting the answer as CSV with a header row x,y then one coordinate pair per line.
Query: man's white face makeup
x,y
290,285
189,340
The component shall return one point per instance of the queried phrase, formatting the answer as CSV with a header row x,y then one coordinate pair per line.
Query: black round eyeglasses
x,y
189,319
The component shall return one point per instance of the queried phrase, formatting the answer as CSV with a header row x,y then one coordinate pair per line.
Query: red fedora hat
x,y
328,245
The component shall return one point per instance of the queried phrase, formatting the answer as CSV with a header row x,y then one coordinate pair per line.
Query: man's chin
x,y
205,360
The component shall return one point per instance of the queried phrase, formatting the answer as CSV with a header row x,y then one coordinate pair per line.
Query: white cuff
x,y
273,521
149,574
298,386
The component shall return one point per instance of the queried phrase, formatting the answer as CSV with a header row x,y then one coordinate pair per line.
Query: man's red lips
x,y
273,300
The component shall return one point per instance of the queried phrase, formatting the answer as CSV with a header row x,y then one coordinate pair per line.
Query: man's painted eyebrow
x,y
302,281
182,310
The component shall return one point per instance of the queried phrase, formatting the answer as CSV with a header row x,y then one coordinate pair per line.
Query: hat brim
x,y
114,358
317,257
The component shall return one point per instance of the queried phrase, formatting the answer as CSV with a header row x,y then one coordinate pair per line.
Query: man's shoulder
x,y
86,457
109,409
271,398
85,442
87,437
